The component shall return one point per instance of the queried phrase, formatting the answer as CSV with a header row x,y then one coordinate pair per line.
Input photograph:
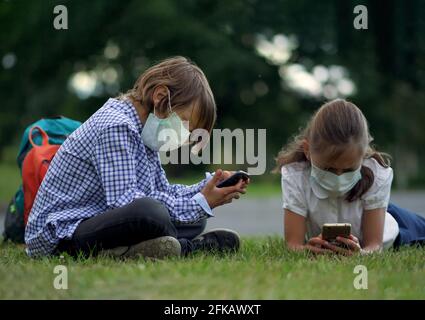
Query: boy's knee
x,y
152,208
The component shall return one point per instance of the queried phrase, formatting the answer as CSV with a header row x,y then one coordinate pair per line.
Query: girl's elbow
x,y
292,246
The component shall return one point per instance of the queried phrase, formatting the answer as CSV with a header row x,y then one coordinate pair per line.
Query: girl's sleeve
x,y
378,196
114,158
293,193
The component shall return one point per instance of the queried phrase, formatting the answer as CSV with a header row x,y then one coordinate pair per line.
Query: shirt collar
x,y
128,108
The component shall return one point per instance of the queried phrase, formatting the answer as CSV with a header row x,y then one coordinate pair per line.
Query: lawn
x,y
10,178
263,269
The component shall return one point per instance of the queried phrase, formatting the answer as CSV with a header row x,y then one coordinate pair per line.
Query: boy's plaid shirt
x,y
101,166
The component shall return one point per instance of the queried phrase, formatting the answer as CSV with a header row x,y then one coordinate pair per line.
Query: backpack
x,y
39,144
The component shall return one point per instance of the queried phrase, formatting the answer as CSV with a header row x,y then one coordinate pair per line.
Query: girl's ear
x,y
306,149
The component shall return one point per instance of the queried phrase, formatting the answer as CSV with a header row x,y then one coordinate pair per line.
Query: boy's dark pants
x,y
141,220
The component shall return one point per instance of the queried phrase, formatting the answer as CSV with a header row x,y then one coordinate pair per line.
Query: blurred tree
x,y
109,43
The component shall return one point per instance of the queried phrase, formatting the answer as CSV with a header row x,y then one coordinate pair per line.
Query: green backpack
x,y
58,129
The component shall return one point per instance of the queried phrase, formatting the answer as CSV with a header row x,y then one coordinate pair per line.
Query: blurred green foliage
x,y
386,62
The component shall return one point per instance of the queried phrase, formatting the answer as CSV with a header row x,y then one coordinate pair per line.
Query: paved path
x,y
261,216
264,215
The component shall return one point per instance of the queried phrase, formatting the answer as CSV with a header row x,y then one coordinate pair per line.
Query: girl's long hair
x,y
336,125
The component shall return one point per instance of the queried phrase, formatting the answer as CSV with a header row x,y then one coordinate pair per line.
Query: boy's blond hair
x,y
188,87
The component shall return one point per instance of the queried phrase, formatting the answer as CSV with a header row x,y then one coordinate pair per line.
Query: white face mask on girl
x,y
164,134
337,184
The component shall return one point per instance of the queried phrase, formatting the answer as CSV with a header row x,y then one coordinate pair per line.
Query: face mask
x,y
337,184
164,134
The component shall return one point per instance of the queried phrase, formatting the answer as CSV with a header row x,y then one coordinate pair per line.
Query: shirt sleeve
x,y
114,158
202,201
180,190
293,193
378,196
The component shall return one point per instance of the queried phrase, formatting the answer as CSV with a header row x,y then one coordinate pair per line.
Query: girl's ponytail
x,y
367,175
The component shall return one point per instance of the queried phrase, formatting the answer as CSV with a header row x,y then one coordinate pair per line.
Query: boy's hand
x,y
219,196
227,174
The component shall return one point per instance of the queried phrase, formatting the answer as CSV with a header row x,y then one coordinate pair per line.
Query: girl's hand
x,y
352,244
219,196
318,245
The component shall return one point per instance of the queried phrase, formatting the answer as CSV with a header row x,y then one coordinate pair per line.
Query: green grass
x,y
10,179
263,269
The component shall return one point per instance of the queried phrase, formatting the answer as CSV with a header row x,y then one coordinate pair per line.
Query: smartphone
x,y
234,179
332,230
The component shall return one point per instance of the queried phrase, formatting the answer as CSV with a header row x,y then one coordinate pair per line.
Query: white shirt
x,y
318,206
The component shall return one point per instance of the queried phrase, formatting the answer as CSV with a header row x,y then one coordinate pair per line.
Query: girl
x,y
331,174
105,190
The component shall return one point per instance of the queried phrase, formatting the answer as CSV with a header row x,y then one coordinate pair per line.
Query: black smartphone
x,y
234,179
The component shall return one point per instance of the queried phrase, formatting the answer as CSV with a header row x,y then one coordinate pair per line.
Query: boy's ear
x,y
159,93
306,149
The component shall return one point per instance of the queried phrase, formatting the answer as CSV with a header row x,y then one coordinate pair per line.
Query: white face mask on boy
x,y
337,184
164,134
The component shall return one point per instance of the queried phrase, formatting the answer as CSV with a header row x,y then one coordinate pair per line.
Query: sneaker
x,y
158,248
217,240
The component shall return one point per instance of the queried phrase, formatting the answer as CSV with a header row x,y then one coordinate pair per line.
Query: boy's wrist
x,y
202,201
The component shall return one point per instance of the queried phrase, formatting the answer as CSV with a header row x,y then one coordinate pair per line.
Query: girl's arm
x,y
295,230
373,229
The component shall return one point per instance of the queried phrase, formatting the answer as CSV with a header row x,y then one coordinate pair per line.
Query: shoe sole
x,y
237,236
158,248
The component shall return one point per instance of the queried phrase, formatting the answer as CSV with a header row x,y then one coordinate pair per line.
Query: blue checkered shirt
x,y
101,166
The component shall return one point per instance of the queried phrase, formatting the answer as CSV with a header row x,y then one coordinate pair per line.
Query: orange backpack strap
x,y
44,136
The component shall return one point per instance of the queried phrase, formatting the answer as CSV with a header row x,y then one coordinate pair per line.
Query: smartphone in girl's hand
x,y
330,231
